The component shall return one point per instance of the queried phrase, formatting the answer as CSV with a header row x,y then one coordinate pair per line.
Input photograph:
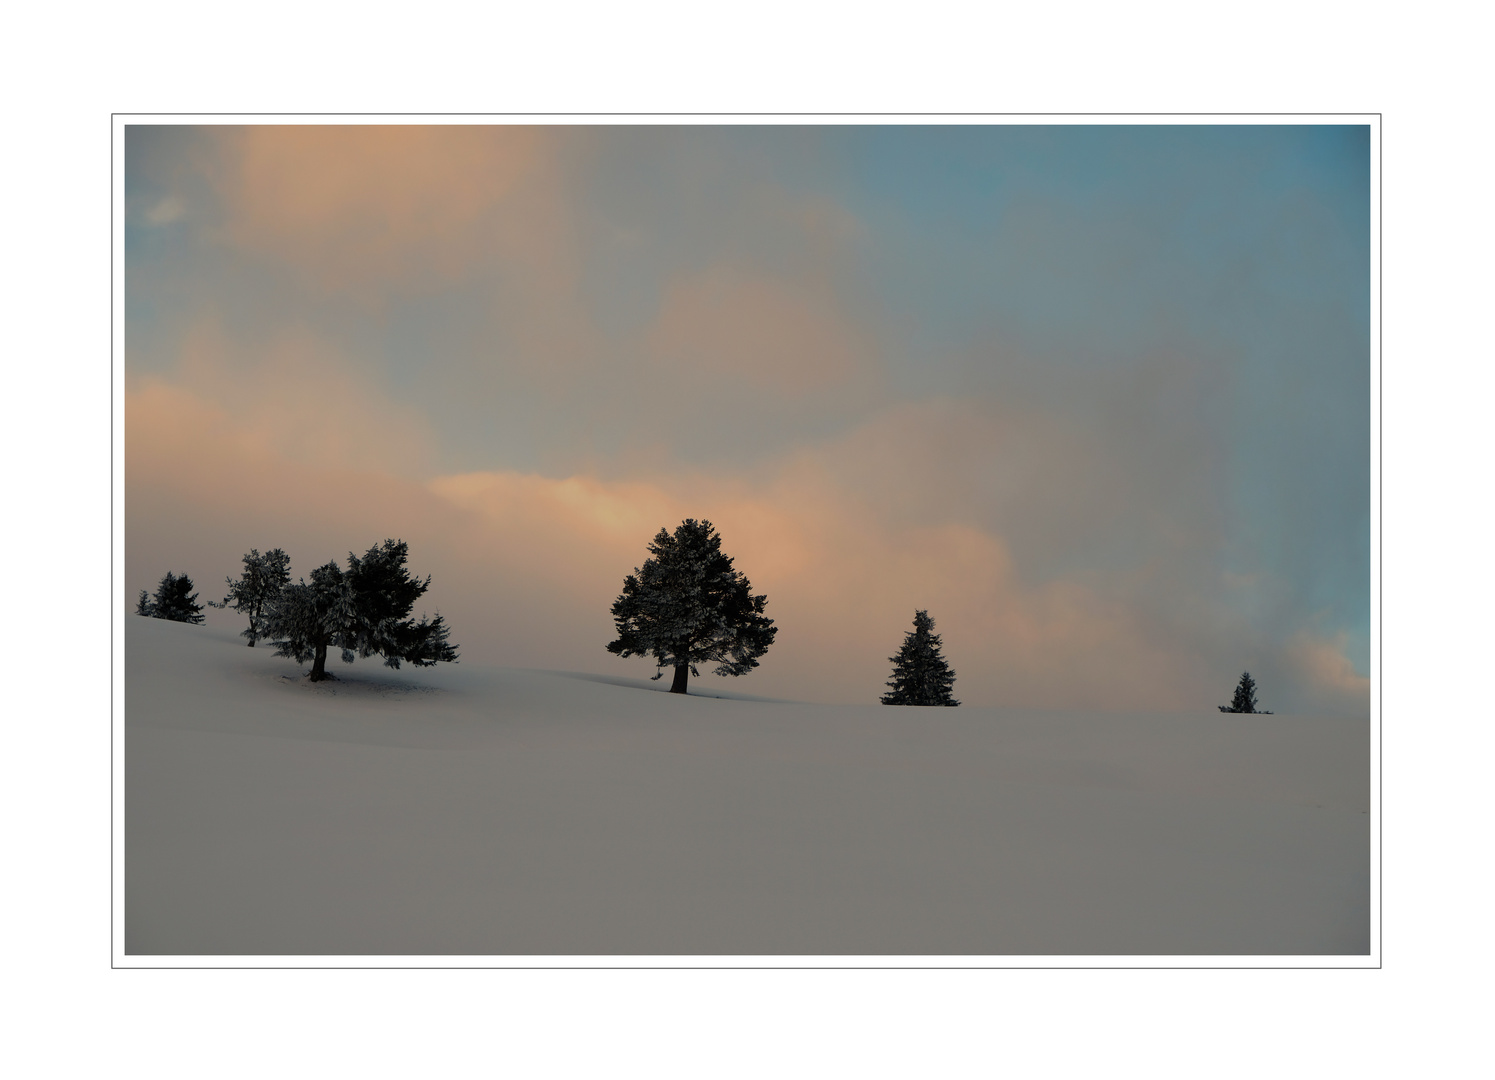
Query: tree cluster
x,y
687,605
361,611
174,600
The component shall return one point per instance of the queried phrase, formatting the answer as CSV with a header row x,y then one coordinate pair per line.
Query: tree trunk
x,y
319,665
682,676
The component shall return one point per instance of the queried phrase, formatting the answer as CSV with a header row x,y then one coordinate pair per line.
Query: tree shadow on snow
x,y
661,687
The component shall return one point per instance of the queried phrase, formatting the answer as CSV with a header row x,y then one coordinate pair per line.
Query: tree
x,y
363,610
1245,697
257,589
688,606
174,600
920,674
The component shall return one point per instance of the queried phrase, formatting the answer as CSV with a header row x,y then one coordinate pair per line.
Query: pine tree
x,y
687,606
920,674
308,618
257,589
174,600
143,605
1245,697
384,594
363,610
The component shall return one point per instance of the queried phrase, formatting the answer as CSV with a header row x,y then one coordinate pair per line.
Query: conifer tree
x,y
143,605
257,589
361,611
920,674
687,606
174,600
1245,697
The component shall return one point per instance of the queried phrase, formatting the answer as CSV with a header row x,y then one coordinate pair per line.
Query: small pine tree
x,y
1245,697
687,605
920,674
362,611
143,606
175,600
257,589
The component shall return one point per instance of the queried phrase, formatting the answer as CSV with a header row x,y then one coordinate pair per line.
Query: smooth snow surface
x,y
472,811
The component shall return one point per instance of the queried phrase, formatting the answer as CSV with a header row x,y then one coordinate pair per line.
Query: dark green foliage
x,y
361,611
920,674
174,600
383,595
307,618
1245,697
687,606
257,589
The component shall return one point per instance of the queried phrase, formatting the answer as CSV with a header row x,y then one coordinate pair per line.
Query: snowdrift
x,y
481,811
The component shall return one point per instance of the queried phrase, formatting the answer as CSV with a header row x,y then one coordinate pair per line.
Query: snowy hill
x,y
473,811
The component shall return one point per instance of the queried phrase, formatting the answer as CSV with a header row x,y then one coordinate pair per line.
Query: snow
x,y
463,810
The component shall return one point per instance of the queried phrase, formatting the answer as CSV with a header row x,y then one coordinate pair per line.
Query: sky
x,y
1096,397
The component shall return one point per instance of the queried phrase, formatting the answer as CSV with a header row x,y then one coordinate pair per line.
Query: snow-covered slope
x,y
464,810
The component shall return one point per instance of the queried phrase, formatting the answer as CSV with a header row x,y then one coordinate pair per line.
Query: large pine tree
x,y
257,589
687,606
920,674
361,611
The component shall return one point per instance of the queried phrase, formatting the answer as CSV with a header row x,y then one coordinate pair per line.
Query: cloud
x,y
166,211
844,573
841,584
1322,665
299,397
526,566
755,330
348,206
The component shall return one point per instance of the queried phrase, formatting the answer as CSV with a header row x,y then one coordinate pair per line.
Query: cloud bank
x,y
525,350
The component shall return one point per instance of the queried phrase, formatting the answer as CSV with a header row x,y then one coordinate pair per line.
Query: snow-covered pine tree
x,y
175,600
363,610
143,605
1245,697
256,590
688,606
920,674
309,617
383,595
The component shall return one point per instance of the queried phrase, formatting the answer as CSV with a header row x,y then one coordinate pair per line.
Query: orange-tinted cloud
x,y
842,584
525,567
756,329
1322,666
347,205
304,400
